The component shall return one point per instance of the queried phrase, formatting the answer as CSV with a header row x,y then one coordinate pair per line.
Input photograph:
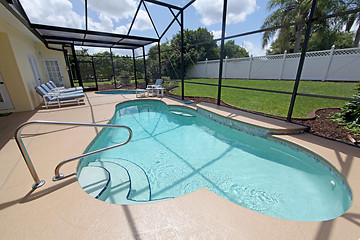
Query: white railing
x,y
331,65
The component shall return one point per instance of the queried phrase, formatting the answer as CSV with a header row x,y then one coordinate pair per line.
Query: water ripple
x,y
253,198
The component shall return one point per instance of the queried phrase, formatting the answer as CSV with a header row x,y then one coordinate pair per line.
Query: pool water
x,y
175,151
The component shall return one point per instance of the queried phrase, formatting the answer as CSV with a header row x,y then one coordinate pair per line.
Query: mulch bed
x,y
324,126
320,125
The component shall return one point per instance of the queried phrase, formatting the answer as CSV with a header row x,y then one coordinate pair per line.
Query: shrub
x,y
123,79
169,84
350,115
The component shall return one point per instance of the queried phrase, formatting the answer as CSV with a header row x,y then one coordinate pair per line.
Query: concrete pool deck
x,y
62,210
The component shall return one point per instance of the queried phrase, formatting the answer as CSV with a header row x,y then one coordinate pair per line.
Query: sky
x,y
116,15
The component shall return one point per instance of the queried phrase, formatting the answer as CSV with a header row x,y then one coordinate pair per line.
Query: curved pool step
x,y
120,182
95,181
140,187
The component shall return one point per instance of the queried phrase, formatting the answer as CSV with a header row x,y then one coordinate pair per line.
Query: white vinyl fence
x,y
331,65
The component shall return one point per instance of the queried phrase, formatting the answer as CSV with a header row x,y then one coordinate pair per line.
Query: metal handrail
x,y
38,183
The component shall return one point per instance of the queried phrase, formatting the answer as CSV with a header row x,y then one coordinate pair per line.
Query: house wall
x,y
12,76
46,53
15,47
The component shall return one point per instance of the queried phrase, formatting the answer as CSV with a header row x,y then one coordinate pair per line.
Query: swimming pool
x,y
121,92
177,150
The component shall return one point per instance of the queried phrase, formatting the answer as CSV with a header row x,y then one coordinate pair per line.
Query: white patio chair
x,y
51,85
156,88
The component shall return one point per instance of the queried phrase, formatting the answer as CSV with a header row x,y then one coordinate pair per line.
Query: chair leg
x,y
46,104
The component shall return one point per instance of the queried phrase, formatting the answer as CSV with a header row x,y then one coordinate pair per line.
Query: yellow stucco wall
x,y
15,47
12,77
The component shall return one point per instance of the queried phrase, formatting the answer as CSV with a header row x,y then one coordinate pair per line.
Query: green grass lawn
x,y
273,103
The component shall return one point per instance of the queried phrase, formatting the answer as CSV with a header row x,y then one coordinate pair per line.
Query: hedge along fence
x,y
331,65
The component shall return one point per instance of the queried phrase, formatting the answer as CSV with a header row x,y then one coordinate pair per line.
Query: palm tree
x,y
287,11
290,11
352,19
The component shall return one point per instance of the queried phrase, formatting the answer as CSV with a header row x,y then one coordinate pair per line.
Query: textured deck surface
x,y
62,210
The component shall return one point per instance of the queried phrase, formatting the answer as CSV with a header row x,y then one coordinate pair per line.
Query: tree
x,y
124,69
85,67
103,66
198,45
318,41
352,19
290,11
194,37
153,63
82,52
231,50
170,62
324,41
287,11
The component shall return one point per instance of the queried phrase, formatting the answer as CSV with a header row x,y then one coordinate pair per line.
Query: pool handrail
x,y
38,183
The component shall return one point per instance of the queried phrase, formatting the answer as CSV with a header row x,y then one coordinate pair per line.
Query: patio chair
x,y
57,98
140,92
156,88
51,85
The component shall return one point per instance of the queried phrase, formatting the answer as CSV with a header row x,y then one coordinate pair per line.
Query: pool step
x,y
95,181
140,186
119,187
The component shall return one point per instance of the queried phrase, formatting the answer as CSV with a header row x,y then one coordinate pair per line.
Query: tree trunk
x,y
297,40
357,37
299,28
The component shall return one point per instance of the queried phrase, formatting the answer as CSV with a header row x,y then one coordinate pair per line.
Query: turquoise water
x,y
121,92
175,151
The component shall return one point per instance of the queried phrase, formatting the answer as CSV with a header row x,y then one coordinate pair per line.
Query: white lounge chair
x,y
59,91
58,98
156,88
51,85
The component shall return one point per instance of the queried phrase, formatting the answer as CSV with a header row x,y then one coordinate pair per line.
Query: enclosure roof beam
x,y
81,31
134,18
80,37
89,41
152,22
175,16
168,27
164,4
188,4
